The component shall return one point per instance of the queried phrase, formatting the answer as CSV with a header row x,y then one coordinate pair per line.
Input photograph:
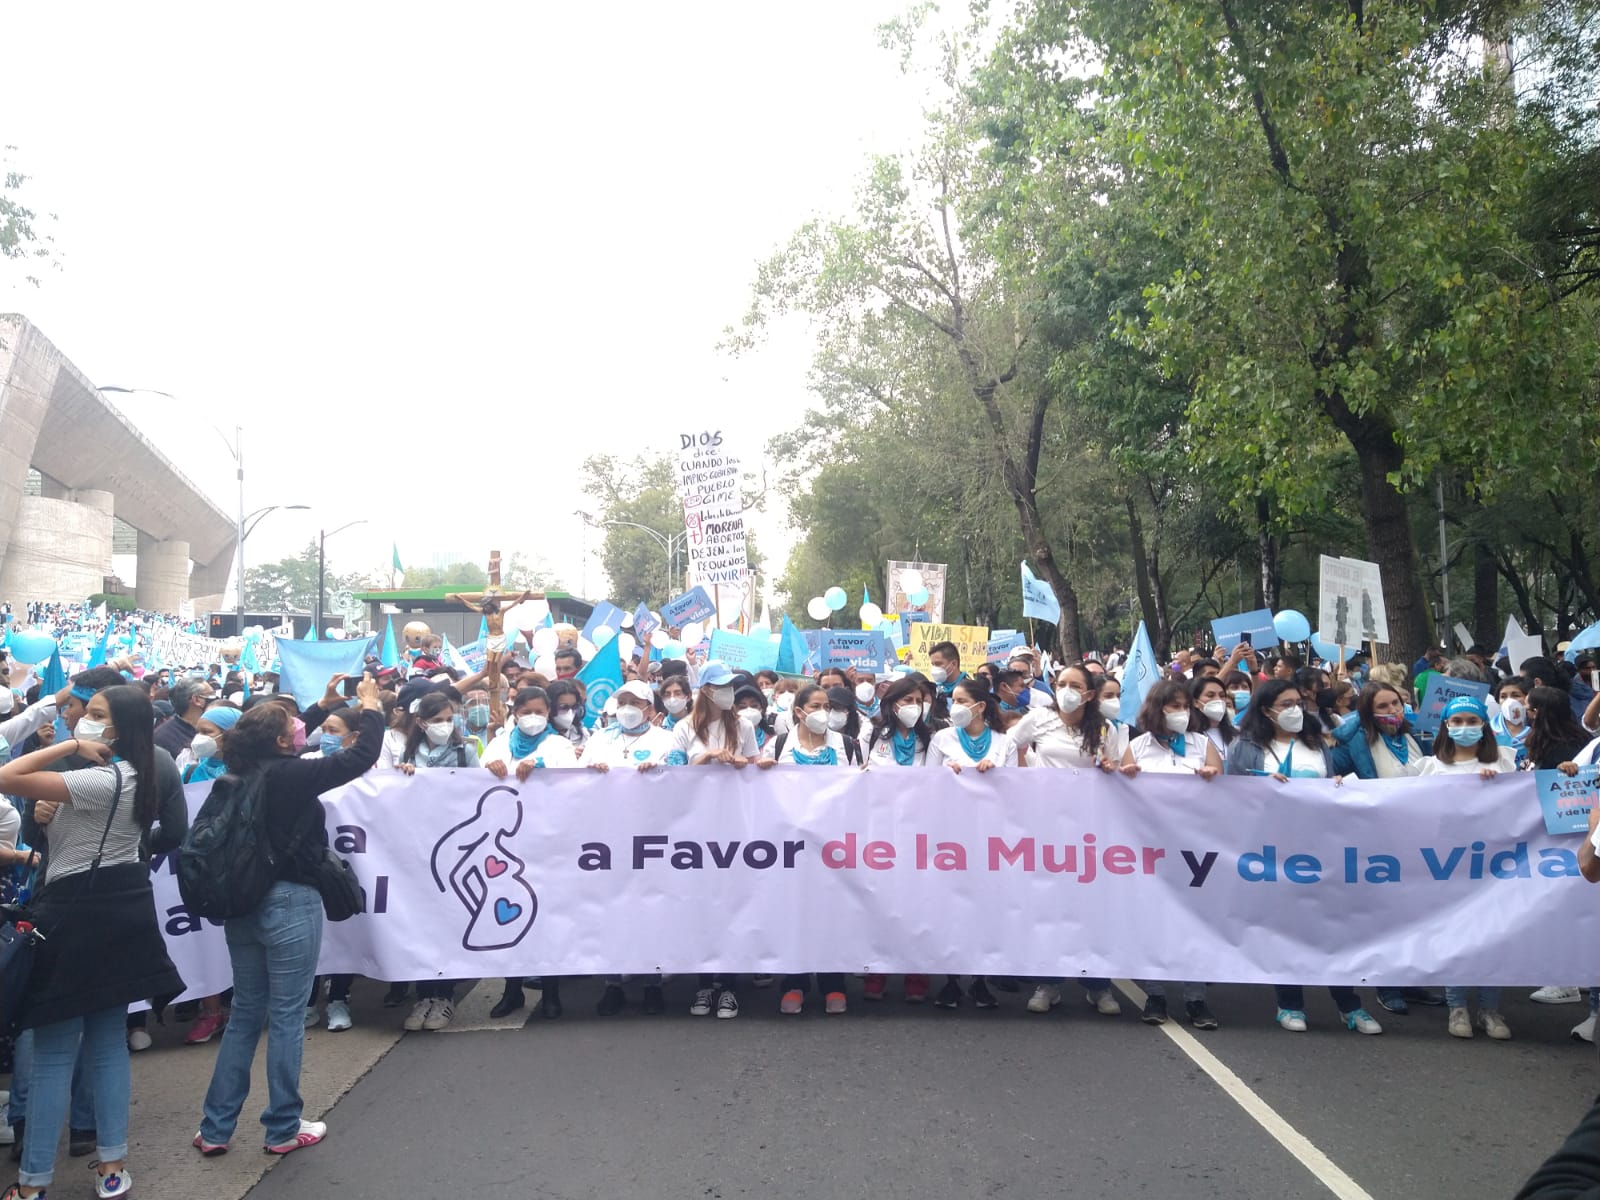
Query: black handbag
x,y
339,888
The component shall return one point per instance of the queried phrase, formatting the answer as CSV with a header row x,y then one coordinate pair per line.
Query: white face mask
x,y
960,716
1111,708
865,692
767,692
8,700
1291,720
439,732
784,701
533,724
750,716
908,714
203,746
1513,711
563,720
837,720
676,705
1178,722
817,720
90,731
630,716
1069,699
1215,710
938,674
722,697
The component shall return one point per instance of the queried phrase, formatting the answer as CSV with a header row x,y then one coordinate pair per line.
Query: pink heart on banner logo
x,y
494,866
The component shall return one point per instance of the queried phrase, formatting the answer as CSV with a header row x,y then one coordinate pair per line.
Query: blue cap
x,y
1464,706
222,717
715,674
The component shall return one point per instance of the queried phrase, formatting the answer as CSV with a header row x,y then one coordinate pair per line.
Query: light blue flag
x,y
97,656
1587,640
305,667
793,653
390,655
1038,600
452,657
483,630
55,675
1141,673
866,596
311,632
602,676
247,658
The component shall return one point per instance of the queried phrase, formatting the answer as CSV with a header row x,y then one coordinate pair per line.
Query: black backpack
x,y
226,864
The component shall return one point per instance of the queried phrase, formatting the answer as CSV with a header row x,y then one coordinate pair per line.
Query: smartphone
x,y
1245,639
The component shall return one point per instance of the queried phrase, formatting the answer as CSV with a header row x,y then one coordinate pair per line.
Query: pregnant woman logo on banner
x,y
486,875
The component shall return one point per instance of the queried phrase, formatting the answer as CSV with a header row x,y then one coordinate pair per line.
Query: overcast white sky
x,y
408,242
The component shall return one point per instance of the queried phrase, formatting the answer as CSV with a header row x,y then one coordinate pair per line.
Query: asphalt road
x,y
890,1101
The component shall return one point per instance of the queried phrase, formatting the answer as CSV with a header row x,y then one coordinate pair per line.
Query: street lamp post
x,y
322,569
247,526
668,542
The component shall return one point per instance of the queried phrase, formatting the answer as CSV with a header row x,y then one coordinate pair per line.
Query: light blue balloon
x,y
918,597
835,598
1291,626
1328,651
30,646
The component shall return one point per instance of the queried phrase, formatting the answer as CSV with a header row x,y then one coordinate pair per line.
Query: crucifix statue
x,y
490,602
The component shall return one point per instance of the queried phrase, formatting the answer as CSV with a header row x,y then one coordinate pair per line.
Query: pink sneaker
x,y
209,1149
792,1002
875,986
834,1003
311,1132
206,1027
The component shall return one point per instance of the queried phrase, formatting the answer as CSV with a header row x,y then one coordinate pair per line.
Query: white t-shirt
x,y
554,751
1468,763
693,747
394,745
1589,755
1152,756
611,746
11,823
882,754
1057,744
791,743
1301,760
1389,767
946,747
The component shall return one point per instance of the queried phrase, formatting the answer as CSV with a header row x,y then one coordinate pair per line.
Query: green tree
x,y
457,576
290,584
24,235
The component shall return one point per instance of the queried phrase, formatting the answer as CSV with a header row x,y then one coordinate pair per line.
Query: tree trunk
x,y
1267,582
1486,624
1141,570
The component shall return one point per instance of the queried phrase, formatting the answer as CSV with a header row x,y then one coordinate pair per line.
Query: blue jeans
x,y
103,1036
22,1077
274,954
1192,992
1488,998
1292,996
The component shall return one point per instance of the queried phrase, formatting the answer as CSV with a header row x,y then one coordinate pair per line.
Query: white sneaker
x,y
1045,997
1583,1031
1557,995
1494,1025
8,1135
704,1000
338,1016
419,1014
313,1017
727,1006
1460,1024
138,1040
440,1014
1292,1019
1105,1003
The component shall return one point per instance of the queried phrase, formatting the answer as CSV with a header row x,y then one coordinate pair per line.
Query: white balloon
x,y
871,614
777,637
910,581
692,634
544,641
626,645
586,648
603,634
817,608
526,615
545,665
627,620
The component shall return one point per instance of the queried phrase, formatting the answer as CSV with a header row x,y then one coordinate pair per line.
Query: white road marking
x,y
1262,1113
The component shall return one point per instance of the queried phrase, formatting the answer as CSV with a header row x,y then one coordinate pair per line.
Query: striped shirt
x,y
75,830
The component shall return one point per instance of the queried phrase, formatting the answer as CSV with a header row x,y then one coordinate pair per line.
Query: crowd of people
x,y
96,771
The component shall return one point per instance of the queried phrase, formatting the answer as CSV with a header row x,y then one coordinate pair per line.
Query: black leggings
x,y
827,981
338,988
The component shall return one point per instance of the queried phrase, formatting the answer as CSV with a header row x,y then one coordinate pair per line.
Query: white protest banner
x,y
933,580
713,511
1464,636
1350,602
1520,649
917,869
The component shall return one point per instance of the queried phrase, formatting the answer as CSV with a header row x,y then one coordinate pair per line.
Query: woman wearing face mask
x,y
1110,700
867,706
436,744
631,742
477,714
751,707
337,732
975,738
528,743
767,682
1465,747
675,698
1236,689
1280,738
1375,741
1172,744
1213,715
567,705
781,706
274,949
1510,724
102,946
1072,735
202,760
712,735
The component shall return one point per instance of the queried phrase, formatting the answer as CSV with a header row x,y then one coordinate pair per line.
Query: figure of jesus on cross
x,y
490,602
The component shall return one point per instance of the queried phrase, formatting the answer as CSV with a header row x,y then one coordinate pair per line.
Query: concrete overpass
x,y
93,465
